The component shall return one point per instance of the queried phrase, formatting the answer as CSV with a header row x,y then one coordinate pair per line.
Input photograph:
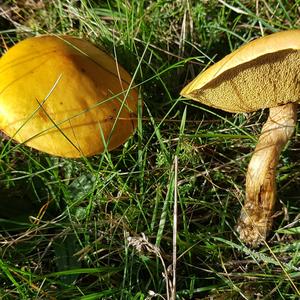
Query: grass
x,y
102,227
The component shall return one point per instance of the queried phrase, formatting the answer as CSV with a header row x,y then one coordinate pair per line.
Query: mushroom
x,y
263,73
64,96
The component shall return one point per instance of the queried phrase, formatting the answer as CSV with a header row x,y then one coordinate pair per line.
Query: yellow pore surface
x,y
263,73
64,96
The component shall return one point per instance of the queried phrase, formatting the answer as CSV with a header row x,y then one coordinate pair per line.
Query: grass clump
x,y
101,228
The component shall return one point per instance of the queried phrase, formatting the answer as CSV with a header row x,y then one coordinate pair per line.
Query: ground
x,y
102,227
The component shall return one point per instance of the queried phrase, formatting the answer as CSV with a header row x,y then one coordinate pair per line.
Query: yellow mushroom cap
x,y
261,74
64,96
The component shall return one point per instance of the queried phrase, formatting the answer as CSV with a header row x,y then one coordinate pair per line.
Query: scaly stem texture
x,y
256,216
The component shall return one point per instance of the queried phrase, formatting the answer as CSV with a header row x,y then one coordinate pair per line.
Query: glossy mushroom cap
x,y
263,73
64,96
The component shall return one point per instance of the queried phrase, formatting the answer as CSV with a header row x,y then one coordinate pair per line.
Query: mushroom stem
x,y
257,213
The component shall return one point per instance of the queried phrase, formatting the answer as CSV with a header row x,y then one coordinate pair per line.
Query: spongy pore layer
x,y
267,81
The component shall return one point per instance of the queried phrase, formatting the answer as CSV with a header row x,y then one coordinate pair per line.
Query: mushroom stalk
x,y
257,213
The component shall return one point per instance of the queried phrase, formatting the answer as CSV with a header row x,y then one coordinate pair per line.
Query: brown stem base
x,y
256,219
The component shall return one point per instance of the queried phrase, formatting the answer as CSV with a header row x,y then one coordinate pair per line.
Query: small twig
x,y
142,244
173,286
235,9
